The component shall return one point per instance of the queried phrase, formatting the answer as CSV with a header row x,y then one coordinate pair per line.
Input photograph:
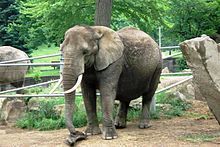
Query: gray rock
x,y
12,110
203,58
166,70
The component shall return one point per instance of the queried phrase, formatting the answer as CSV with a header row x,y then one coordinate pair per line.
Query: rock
x,y
180,95
165,70
33,104
203,58
12,110
164,107
1,102
190,90
59,109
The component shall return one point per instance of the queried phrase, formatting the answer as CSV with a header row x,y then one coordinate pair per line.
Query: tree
x,y
103,12
55,17
9,32
194,18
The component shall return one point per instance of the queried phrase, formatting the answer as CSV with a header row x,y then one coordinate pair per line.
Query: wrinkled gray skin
x,y
13,75
123,65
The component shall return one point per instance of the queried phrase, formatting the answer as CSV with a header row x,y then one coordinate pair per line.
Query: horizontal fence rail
x,y
80,94
176,73
25,59
174,85
176,54
31,64
169,47
31,86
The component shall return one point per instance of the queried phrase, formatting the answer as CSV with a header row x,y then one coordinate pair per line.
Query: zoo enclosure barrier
x,y
12,63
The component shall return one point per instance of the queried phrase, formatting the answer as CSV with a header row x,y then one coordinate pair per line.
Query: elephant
x,y
13,75
122,65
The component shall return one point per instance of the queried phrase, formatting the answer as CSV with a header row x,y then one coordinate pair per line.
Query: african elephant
x,y
123,65
13,75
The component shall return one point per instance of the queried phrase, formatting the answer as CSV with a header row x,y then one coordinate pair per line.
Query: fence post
x,y
160,37
61,60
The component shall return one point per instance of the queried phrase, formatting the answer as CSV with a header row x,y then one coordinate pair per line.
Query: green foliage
x,y
50,19
45,118
178,106
181,62
194,18
9,22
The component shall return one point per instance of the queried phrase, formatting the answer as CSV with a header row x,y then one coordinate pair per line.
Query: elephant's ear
x,y
110,48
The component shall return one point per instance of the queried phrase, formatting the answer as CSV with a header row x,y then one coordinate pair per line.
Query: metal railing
x,y
25,59
11,63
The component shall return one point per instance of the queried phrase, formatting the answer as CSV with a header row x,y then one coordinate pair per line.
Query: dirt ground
x,y
164,132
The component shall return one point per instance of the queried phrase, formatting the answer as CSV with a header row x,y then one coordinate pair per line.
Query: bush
x,y
45,118
178,106
181,62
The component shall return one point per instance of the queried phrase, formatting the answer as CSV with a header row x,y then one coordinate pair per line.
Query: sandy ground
x,y
163,133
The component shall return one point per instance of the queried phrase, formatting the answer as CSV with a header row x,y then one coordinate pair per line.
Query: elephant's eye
x,y
85,51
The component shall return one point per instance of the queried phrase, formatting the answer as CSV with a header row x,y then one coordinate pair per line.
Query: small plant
x,y
45,118
36,76
200,137
178,106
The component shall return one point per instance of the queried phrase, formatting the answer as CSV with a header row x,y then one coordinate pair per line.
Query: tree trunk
x,y
103,13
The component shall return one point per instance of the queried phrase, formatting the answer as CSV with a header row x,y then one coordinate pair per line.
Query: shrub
x,y
181,62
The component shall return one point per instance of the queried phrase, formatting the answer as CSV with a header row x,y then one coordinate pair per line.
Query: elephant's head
x,y
83,47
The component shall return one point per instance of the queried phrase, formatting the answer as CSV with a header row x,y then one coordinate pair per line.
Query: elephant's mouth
x,y
70,90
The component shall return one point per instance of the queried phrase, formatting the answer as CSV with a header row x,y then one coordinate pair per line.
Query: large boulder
x,y
203,57
12,110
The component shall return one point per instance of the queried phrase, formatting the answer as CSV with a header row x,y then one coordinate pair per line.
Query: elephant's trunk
x,y
71,71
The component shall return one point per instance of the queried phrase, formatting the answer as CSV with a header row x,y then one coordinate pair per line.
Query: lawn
x,y
44,70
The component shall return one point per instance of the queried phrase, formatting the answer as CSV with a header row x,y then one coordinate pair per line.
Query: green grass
x,y
44,70
201,137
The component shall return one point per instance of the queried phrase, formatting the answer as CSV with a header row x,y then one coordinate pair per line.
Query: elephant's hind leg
x,y
18,85
120,120
89,96
147,98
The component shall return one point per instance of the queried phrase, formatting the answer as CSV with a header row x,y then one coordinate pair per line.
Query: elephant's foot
x,y
74,137
120,123
109,133
92,130
144,124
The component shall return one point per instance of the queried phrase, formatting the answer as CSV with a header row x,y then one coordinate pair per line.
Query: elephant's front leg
x,y
108,81
108,94
89,96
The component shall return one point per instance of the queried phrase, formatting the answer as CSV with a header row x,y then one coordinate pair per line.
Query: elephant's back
x,y
141,57
13,73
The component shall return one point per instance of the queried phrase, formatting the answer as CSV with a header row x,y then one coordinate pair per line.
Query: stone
x,y
203,58
33,104
190,90
59,109
180,95
12,110
164,107
165,70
